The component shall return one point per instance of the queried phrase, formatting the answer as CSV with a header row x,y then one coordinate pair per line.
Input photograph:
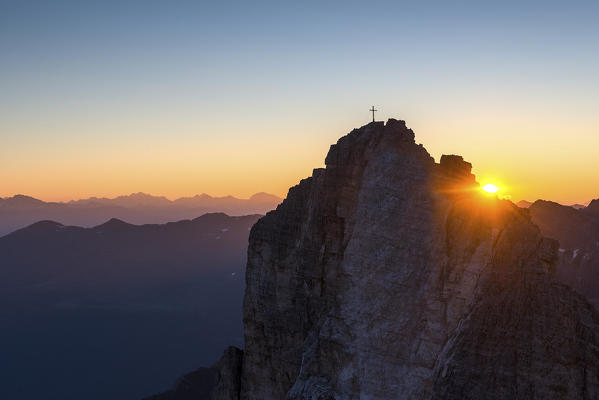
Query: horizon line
x,y
171,199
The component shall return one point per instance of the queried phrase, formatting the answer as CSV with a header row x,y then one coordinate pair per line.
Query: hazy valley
x,y
125,308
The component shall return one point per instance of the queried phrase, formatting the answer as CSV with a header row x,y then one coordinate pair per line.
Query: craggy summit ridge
x,y
388,276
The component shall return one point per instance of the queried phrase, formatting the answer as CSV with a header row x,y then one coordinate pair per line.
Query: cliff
x,y
389,276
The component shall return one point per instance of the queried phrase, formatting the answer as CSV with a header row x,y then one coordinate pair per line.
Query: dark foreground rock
x,y
195,385
221,381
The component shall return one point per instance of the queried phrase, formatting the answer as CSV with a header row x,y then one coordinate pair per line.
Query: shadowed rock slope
x,y
389,276
578,233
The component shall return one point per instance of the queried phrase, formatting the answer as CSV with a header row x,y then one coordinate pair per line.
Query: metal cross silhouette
x,y
373,110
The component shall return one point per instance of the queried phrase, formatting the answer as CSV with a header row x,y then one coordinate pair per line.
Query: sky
x,y
179,98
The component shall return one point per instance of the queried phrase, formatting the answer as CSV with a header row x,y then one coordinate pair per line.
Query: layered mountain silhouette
x,y
577,231
526,204
19,211
117,311
387,275
523,204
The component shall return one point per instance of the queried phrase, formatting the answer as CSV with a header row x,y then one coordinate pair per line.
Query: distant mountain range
x,y
526,204
138,208
125,308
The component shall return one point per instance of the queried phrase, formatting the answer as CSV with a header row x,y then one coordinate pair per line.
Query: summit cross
x,y
373,110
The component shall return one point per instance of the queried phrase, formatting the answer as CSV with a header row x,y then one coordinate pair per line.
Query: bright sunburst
x,y
490,188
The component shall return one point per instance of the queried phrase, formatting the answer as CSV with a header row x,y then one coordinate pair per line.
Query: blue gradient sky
x,y
177,98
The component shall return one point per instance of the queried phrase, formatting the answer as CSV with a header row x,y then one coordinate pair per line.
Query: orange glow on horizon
x,y
262,160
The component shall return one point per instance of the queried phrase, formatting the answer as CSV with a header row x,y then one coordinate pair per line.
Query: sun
x,y
490,188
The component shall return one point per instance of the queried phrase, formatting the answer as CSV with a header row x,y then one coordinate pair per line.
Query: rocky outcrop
x,y
221,381
389,276
593,208
228,375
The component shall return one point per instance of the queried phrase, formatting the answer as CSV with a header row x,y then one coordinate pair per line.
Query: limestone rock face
x,y
389,276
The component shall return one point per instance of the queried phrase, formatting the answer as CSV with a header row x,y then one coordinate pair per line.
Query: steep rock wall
x,y
388,276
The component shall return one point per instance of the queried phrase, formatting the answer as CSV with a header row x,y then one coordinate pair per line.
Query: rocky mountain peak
x,y
21,200
524,204
114,225
593,207
385,275
455,166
